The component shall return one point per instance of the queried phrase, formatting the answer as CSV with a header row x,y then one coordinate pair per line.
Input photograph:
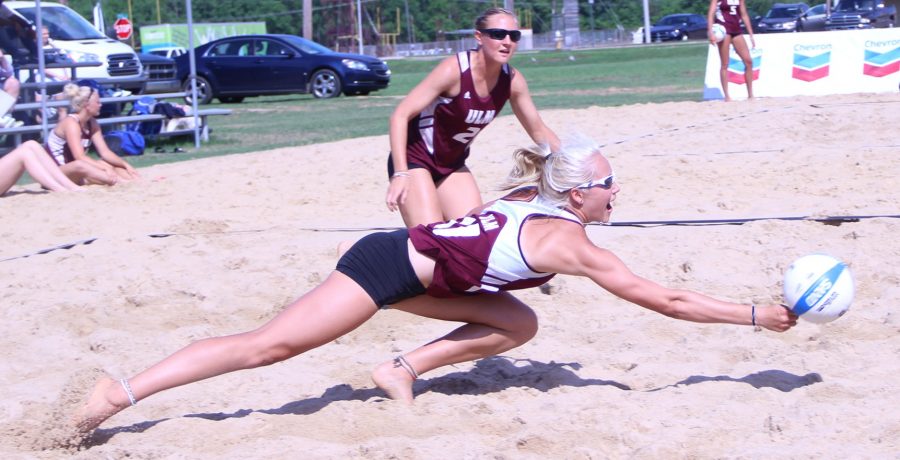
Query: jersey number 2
x,y
467,137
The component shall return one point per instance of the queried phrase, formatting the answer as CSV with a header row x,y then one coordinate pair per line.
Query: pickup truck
x,y
161,74
861,14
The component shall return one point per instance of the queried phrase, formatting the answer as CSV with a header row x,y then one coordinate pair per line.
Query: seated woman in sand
x,y
31,157
70,140
454,271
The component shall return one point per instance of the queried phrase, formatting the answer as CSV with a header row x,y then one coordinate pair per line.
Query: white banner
x,y
812,63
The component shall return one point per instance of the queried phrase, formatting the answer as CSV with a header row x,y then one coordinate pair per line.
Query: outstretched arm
x,y
571,252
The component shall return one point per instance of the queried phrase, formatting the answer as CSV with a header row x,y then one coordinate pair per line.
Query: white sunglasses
x,y
606,183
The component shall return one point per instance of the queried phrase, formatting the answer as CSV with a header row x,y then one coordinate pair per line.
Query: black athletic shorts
x,y
435,176
379,263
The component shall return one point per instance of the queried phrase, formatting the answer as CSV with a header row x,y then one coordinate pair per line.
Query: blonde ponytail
x,y
78,96
555,173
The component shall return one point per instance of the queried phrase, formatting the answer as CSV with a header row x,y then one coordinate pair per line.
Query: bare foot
x,y
99,406
394,380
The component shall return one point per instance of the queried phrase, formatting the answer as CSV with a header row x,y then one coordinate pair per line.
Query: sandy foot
x,y
98,406
394,380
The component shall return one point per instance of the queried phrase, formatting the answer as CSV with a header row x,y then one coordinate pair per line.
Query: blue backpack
x,y
125,142
144,106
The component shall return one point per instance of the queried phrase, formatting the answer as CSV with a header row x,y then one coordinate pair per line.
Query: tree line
x,y
410,20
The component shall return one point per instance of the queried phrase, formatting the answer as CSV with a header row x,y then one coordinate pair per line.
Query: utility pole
x,y
646,21
591,3
307,20
508,4
359,25
131,18
409,37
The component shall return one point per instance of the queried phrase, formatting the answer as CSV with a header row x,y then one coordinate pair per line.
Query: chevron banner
x,y
811,63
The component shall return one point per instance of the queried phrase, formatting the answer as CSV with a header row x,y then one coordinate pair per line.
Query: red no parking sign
x,y
123,28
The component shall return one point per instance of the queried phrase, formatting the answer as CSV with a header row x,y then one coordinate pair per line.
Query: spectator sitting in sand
x,y
69,141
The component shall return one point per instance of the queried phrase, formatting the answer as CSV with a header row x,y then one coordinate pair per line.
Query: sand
x,y
238,237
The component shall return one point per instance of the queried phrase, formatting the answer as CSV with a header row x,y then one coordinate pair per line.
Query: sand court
x,y
222,244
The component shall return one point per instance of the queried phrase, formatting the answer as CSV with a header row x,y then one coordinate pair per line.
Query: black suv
x,y
861,14
783,17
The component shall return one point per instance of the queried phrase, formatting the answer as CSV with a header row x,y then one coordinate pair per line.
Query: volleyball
x,y
818,288
718,31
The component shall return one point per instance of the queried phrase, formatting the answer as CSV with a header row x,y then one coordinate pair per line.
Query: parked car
x,y
233,68
161,73
754,21
679,27
861,14
813,20
782,17
170,52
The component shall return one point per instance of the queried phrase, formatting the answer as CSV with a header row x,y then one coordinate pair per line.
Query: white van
x,y
78,38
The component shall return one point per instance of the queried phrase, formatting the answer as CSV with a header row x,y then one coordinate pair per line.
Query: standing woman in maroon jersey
x,y
730,13
432,128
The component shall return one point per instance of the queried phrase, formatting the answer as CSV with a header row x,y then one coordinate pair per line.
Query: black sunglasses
x,y
500,34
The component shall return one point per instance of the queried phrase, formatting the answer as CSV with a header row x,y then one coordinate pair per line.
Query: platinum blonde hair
x,y
554,174
78,96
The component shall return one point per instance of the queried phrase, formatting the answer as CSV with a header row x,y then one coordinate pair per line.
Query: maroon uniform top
x,y
729,15
59,149
438,138
481,253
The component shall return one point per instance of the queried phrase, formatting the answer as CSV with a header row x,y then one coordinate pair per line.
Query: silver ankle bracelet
x,y
128,391
400,361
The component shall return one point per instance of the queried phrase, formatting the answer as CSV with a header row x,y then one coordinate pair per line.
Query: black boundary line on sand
x,y
53,248
827,220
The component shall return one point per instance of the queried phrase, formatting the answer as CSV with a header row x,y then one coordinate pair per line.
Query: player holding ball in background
x,y
730,13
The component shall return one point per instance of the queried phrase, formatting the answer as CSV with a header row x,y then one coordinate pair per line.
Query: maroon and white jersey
x,y
58,147
728,14
481,253
439,136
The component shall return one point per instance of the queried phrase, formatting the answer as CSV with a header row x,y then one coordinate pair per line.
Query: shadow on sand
x,y
490,375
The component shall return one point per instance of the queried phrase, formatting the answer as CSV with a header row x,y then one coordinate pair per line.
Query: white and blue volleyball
x,y
818,288
718,31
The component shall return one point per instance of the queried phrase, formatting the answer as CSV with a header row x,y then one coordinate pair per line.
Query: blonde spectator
x,y
69,141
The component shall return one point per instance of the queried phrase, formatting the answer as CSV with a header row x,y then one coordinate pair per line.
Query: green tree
x,y
430,19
